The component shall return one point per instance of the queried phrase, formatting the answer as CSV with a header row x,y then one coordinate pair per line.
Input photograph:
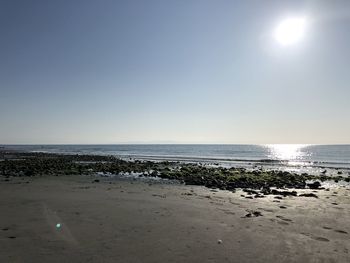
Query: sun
x,y
290,31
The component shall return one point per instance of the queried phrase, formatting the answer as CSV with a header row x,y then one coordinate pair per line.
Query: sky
x,y
184,71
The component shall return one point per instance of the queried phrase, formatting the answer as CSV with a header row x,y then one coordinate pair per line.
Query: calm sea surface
x,y
299,158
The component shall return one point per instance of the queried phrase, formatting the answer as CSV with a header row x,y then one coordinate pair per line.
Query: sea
x,y
299,158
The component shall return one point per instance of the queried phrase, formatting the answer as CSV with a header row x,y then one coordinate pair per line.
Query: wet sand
x,y
133,221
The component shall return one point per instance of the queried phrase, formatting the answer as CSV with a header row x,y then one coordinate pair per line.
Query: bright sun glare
x,y
286,151
290,31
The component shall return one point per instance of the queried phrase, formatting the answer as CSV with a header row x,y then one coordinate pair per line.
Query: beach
x,y
83,219
175,131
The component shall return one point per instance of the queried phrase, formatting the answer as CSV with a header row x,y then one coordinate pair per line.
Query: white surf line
x,y
60,229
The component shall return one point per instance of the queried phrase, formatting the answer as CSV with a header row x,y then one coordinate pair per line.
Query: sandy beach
x,y
175,131
74,219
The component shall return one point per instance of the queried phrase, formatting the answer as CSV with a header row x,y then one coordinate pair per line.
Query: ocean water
x,y
292,157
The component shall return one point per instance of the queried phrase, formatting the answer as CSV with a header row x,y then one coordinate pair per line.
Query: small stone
x,y
219,241
252,213
309,195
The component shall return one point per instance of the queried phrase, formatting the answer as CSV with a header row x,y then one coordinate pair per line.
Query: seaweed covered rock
x,y
34,164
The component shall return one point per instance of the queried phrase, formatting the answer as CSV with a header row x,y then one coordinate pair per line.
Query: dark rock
x,y
266,190
314,185
252,213
309,195
284,193
341,231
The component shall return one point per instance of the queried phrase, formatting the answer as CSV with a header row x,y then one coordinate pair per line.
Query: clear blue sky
x,y
177,71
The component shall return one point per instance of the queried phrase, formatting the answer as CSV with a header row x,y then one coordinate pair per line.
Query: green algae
x,y
39,164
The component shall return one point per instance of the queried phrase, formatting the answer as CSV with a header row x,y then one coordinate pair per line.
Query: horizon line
x,y
160,143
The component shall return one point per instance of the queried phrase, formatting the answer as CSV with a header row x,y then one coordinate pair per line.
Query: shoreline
x,y
258,155
29,164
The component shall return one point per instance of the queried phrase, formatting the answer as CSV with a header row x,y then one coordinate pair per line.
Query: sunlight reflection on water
x,y
287,152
